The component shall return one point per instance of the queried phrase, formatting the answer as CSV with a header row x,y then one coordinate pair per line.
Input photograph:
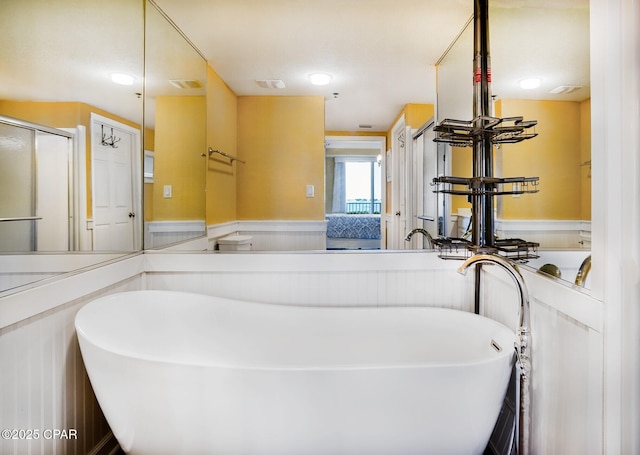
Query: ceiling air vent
x,y
564,89
366,127
185,83
270,83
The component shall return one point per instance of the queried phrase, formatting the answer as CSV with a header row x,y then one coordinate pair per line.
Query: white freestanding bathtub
x,y
179,373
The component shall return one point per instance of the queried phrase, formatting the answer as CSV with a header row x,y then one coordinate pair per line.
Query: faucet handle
x,y
521,348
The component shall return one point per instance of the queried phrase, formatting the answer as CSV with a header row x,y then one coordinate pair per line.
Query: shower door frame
x,y
36,129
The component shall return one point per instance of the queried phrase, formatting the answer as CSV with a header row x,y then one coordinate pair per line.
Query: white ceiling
x,y
65,50
382,53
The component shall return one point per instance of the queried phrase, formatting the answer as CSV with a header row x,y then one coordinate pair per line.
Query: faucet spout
x,y
514,273
522,347
423,232
583,271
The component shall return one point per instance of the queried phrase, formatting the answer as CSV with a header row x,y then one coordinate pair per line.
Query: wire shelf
x,y
462,249
453,248
486,185
463,133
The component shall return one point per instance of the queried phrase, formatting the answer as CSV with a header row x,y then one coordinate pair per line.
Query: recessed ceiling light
x,y
320,78
122,78
529,84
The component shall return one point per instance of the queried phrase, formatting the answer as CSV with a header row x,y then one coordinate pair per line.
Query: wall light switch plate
x,y
167,191
310,191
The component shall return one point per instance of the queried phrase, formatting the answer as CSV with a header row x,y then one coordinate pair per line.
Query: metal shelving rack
x,y
482,134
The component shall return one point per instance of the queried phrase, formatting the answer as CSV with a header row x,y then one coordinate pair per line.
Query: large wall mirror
x,y
175,134
552,46
71,111
74,133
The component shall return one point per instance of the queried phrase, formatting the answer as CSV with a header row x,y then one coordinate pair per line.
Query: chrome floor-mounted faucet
x,y
523,348
423,232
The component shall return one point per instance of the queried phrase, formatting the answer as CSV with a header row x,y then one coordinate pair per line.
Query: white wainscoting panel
x,y
44,385
14,279
567,358
275,235
196,244
18,306
331,279
161,233
21,269
548,233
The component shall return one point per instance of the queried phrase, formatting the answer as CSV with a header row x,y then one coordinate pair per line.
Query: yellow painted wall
x,y
222,134
563,142
282,141
52,114
554,156
415,115
461,166
179,142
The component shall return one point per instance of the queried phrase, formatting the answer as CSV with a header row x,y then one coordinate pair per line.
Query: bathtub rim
x,y
83,337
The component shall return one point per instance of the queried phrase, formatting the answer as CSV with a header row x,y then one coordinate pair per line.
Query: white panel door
x,y
114,214
399,147
429,172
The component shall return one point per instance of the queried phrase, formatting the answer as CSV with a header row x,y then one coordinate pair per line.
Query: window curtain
x,y
339,200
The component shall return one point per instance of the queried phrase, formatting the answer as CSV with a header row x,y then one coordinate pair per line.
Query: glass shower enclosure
x,y
35,189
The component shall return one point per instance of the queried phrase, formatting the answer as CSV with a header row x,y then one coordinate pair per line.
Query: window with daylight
x,y
353,202
353,185
362,187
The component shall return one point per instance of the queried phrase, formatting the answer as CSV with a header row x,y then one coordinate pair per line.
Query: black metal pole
x,y
476,301
482,200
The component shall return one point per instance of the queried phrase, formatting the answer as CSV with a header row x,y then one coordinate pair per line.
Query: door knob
x,y
398,213
132,215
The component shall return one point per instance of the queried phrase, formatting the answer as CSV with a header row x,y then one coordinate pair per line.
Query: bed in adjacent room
x,y
353,231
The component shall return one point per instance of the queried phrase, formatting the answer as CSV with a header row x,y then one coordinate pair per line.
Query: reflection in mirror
x,y
572,266
35,193
353,192
175,134
57,100
550,44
